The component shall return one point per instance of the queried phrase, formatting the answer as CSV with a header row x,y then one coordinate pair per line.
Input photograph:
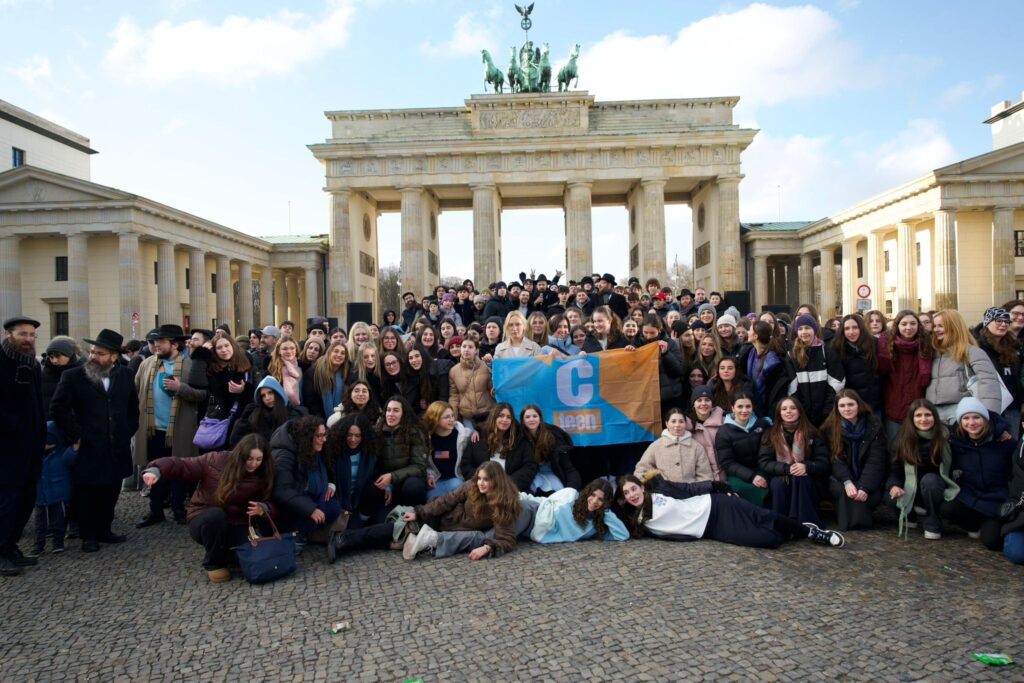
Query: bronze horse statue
x,y
515,73
568,72
545,68
492,74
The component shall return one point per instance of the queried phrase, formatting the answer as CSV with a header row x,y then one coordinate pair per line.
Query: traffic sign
x,y
864,304
863,292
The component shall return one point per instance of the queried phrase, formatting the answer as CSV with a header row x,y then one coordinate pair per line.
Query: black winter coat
x,y
591,345
738,450
861,378
874,457
520,464
817,383
22,421
51,377
816,459
671,370
1016,490
242,426
496,306
1010,374
290,476
104,422
984,468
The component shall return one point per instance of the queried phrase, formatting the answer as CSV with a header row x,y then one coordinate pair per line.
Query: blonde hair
x,y
515,315
957,338
275,367
360,366
353,347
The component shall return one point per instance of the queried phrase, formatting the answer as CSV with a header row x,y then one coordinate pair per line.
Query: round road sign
x,y
863,292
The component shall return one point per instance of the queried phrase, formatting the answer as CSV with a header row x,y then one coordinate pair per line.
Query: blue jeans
x,y
443,486
331,509
1013,546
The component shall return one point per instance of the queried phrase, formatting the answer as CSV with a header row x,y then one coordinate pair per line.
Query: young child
x,y
53,490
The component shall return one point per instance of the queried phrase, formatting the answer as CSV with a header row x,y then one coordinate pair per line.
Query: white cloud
x,y
171,126
765,54
820,176
37,68
472,32
238,49
956,93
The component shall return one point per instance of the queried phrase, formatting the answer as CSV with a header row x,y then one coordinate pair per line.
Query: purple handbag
x,y
213,433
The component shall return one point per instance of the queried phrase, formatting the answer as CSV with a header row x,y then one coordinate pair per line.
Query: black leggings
x,y
739,522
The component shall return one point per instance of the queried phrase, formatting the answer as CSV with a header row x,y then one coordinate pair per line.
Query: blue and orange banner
x,y
598,399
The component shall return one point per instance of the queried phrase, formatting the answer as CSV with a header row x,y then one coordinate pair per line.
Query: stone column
x,y
730,263
341,274
486,237
828,283
293,298
280,298
78,285
168,308
944,256
129,278
226,295
875,270
414,272
653,261
266,297
197,301
1003,270
10,275
245,320
760,282
906,268
792,285
312,290
806,279
578,234
849,269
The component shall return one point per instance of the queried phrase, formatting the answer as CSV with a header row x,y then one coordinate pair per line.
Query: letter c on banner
x,y
580,394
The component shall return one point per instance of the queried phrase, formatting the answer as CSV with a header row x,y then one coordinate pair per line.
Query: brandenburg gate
x,y
529,150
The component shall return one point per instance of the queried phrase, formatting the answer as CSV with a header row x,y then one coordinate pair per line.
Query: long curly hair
x,y
501,504
302,430
234,470
499,442
371,410
580,512
337,445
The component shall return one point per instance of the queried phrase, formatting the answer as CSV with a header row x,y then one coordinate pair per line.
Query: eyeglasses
x,y
1017,316
1002,321
391,364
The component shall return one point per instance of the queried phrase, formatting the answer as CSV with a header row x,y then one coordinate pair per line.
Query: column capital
x,y
656,181
340,191
411,188
483,186
1001,209
729,178
579,183
11,237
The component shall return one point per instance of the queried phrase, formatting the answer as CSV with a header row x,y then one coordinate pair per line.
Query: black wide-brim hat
x,y
107,339
609,278
172,332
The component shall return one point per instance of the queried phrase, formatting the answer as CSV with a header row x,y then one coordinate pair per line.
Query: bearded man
x,y
97,407
22,435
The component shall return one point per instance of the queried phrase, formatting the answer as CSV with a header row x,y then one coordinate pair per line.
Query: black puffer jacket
x,y
872,459
291,477
520,464
738,449
861,378
51,377
1010,374
671,369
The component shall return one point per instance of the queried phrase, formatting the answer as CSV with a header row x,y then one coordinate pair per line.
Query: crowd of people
x,y
389,435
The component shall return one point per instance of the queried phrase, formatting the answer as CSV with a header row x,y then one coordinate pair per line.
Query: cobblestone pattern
x,y
880,609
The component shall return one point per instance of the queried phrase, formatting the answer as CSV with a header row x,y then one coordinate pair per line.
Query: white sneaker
x,y
933,535
824,536
415,544
974,534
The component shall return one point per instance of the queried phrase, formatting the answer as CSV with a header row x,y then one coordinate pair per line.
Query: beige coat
x,y
470,389
186,421
680,459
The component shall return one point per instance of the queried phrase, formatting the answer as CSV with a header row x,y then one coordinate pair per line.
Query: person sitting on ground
x,y
568,515
794,454
551,448
483,516
703,420
401,477
686,512
232,487
503,442
302,482
738,445
675,454
857,441
448,442
269,410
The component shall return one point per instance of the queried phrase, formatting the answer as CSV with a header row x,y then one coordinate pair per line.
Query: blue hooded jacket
x,y
54,485
270,382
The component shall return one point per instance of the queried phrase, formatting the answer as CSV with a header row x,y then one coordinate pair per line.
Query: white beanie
x,y
971,405
726,320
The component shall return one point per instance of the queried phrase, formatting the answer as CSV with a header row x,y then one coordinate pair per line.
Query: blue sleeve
x,y
616,529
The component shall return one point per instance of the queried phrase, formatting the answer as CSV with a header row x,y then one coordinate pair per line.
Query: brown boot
x,y
219,575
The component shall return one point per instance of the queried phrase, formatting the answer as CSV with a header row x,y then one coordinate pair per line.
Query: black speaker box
x,y
739,298
359,312
777,308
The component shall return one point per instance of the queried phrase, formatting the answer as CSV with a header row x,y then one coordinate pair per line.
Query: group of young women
x,y
391,438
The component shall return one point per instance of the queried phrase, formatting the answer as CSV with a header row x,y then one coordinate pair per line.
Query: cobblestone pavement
x,y
880,609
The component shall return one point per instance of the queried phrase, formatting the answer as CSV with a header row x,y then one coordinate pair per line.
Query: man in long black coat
x,y
22,437
97,408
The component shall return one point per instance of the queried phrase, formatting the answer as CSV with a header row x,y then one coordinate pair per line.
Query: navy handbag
x,y
266,558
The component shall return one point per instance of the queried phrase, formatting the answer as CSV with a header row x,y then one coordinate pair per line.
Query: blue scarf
x,y
333,399
854,434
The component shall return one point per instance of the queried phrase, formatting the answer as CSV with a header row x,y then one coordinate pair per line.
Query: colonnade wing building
x,y
79,256
952,238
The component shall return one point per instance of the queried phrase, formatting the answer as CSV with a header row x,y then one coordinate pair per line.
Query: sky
x,y
208,107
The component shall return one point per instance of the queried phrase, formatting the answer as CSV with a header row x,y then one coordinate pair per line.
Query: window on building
x,y
188,279
887,260
1020,293
60,269
17,157
213,284
888,306
1018,243
60,323
917,251
860,266
920,307
156,273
